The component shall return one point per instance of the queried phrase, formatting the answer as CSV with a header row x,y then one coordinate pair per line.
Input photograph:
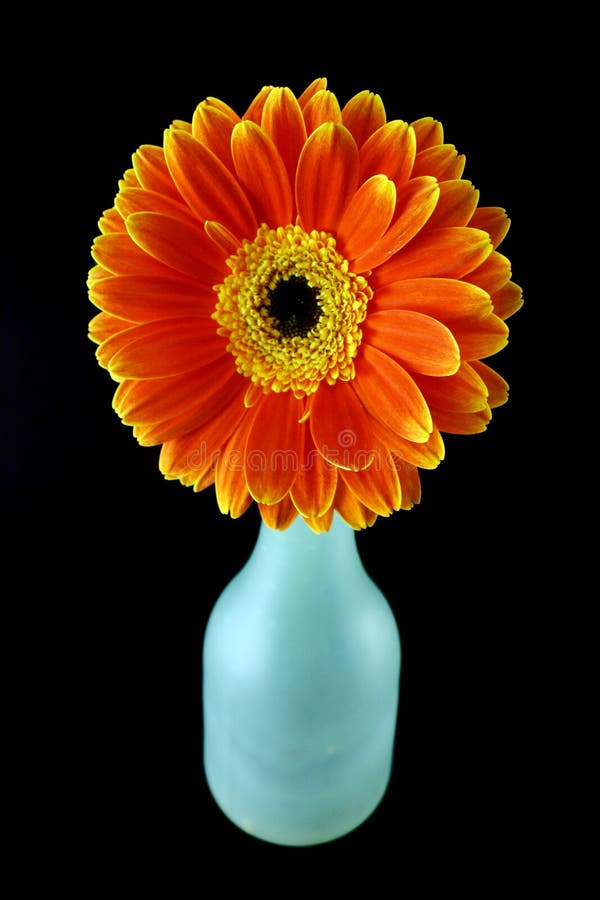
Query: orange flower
x,y
295,304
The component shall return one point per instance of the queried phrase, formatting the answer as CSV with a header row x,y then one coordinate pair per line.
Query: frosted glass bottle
x,y
301,673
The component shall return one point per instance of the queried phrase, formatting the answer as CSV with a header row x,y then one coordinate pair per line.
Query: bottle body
x,y
301,674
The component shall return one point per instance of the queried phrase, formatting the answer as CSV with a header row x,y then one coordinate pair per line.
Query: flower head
x,y
296,303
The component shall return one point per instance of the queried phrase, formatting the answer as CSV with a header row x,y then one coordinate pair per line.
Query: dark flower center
x,y
295,306
292,333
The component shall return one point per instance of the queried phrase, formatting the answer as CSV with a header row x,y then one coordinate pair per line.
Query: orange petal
x,y
319,84
159,399
275,448
456,205
199,447
415,201
314,488
390,151
462,423
443,162
445,299
215,103
114,341
155,400
223,397
283,121
327,177
341,427
197,451
378,488
480,339
413,339
254,111
427,455
152,173
181,125
261,171
223,238
232,492
207,185
389,394
200,484
367,216
352,511
132,200
130,178
429,132
253,394
322,107
119,255
363,114
97,273
492,219
508,300
212,127
410,483
320,524
229,401
463,392
103,326
492,274
496,385
188,479
280,515
142,299
111,221
439,252
178,245
167,347
189,454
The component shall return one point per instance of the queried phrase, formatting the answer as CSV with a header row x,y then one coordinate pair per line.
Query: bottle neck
x,y
300,556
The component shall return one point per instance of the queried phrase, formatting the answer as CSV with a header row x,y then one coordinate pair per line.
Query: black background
x,y
117,570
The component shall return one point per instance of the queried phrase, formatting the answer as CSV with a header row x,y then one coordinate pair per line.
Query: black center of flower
x,y
295,306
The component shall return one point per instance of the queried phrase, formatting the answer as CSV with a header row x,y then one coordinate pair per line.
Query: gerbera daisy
x,y
296,303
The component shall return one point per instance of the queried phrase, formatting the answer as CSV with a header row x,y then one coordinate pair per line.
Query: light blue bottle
x,y
301,674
